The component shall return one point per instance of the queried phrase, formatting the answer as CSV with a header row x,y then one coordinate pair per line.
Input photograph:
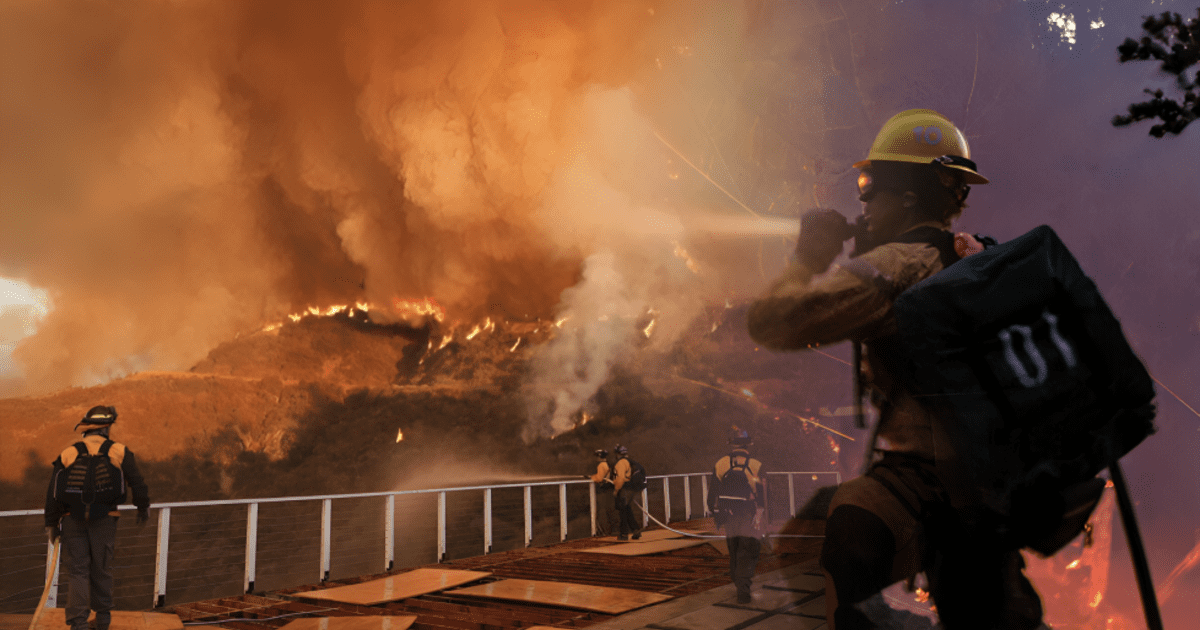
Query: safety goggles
x,y
869,186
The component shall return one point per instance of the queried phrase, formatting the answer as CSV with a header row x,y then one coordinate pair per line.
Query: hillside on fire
x,y
334,403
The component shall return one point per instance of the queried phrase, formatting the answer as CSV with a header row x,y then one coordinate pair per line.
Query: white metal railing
x,y
389,543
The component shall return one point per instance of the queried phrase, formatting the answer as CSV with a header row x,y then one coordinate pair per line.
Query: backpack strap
x,y
940,240
104,448
80,449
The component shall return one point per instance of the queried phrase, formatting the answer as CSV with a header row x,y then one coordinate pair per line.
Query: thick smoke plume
x,y
178,173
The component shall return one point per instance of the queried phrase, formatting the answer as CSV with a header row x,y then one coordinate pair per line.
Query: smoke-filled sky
x,y
175,173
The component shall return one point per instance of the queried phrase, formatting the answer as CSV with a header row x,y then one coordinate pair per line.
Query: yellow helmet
x,y
923,136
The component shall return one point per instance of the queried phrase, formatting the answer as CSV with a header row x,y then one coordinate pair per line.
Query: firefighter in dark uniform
x,y
898,519
88,530
737,498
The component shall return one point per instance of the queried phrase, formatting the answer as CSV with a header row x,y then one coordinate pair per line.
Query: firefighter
x,y
898,519
81,508
603,479
737,498
624,491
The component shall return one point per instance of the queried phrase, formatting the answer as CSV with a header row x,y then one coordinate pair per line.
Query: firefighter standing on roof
x,y
88,483
897,520
737,499
624,493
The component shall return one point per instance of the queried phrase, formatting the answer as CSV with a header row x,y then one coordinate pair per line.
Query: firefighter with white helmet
x,y
896,520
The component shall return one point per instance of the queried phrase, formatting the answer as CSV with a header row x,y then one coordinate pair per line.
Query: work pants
x,y
897,521
624,502
87,551
744,548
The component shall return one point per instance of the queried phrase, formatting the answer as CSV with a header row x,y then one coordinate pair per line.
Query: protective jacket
x,y
620,474
119,455
854,301
602,472
753,471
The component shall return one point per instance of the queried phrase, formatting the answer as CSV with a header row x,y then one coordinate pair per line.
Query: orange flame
x,y
427,307
399,435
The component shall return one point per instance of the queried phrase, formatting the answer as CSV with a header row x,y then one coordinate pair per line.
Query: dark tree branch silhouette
x,y
1176,44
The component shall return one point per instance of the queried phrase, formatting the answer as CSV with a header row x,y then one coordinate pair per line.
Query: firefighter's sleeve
x,y
54,510
760,491
621,474
133,478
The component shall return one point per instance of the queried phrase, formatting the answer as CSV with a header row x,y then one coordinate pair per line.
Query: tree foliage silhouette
x,y
1176,44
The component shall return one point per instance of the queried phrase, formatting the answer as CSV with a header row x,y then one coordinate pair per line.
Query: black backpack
x,y
1017,346
637,476
734,492
90,480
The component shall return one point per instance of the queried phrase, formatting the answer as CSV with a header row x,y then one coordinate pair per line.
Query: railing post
x,y
389,533
528,504
487,521
645,507
791,495
251,547
704,492
52,564
687,497
666,499
592,502
562,512
326,535
441,510
160,557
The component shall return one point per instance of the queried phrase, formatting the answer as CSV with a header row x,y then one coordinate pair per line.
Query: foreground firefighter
x,y
88,483
958,483
737,497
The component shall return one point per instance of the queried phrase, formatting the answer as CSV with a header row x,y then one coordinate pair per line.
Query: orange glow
x,y
399,435
418,309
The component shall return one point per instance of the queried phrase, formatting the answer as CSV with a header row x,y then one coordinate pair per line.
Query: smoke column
x,y
178,173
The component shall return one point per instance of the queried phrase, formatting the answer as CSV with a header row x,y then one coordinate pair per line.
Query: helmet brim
x,y
969,176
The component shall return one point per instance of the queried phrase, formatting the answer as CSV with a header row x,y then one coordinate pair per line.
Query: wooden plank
x,y
411,584
647,548
56,619
352,623
603,599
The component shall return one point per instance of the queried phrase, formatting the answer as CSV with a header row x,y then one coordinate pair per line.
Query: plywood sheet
x,y
56,619
612,601
402,586
647,548
352,623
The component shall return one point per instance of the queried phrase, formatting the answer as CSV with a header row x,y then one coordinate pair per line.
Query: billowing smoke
x,y
175,174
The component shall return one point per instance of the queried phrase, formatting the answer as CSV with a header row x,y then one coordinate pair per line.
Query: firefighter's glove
x,y
53,533
822,232
143,516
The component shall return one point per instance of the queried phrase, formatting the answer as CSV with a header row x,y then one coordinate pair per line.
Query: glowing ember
x,y
399,435
514,346
446,339
649,328
681,253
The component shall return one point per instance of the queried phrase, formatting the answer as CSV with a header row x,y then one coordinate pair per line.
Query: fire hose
x,y
695,535
46,591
